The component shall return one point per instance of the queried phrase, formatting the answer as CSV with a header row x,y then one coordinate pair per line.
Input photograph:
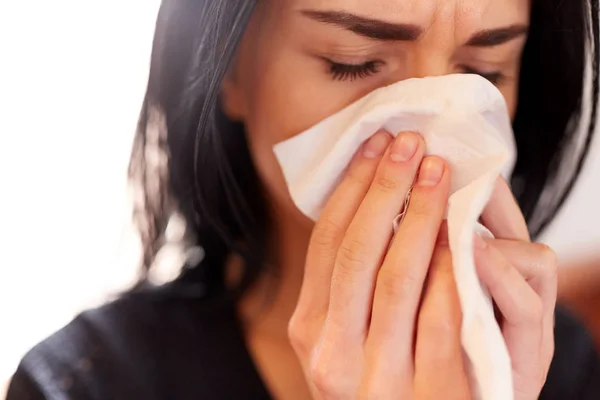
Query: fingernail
x,y
479,242
431,171
404,147
376,145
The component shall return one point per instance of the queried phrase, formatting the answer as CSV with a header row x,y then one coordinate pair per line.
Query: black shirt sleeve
x,y
575,370
76,363
171,350
22,387
49,370
146,347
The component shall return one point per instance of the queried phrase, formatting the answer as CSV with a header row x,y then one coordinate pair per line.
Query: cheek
x,y
293,94
510,96
289,96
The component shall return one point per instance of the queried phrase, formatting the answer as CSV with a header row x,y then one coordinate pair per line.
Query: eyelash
x,y
494,77
351,72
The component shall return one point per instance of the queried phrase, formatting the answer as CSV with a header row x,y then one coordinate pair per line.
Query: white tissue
x,y
464,119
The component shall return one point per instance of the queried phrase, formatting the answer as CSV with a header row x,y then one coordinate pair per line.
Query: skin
x,y
353,316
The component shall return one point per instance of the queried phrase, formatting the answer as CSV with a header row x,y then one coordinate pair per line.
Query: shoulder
x,y
121,350
575,369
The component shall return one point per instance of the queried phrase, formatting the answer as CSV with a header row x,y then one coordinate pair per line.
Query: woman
x,y
279,308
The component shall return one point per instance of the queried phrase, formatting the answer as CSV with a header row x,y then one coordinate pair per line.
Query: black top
x,y
167,345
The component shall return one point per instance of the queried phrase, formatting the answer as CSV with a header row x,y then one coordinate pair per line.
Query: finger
x,y
400,280
438,347
537,263
333,223
522,312
367,238
502,215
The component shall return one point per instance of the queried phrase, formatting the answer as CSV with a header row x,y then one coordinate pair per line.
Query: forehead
x,y
462,14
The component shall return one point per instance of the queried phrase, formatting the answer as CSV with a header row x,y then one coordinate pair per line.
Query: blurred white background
x,y
72,77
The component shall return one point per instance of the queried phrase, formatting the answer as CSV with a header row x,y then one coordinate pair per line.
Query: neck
x,y
268,306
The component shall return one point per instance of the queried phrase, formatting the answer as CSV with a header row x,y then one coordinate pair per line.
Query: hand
x,y
522,279
366,325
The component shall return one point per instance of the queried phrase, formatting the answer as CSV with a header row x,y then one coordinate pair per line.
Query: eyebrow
x,y
495,37
381,30
371,28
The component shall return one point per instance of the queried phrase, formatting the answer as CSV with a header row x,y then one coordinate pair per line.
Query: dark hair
x,y
209,177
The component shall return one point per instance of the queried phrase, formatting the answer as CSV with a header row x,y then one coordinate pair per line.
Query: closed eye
x,y
494,77
351,72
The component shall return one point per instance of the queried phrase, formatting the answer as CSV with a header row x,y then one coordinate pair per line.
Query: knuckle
x,y
328,381
351,256
327,233
358,177
421,207
387,183
548,258
298,335
393,283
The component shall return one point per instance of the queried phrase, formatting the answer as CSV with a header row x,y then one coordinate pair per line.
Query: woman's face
x,y
301,61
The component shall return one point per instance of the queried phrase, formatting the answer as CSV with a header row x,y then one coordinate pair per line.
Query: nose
x,y
424,63
429,63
